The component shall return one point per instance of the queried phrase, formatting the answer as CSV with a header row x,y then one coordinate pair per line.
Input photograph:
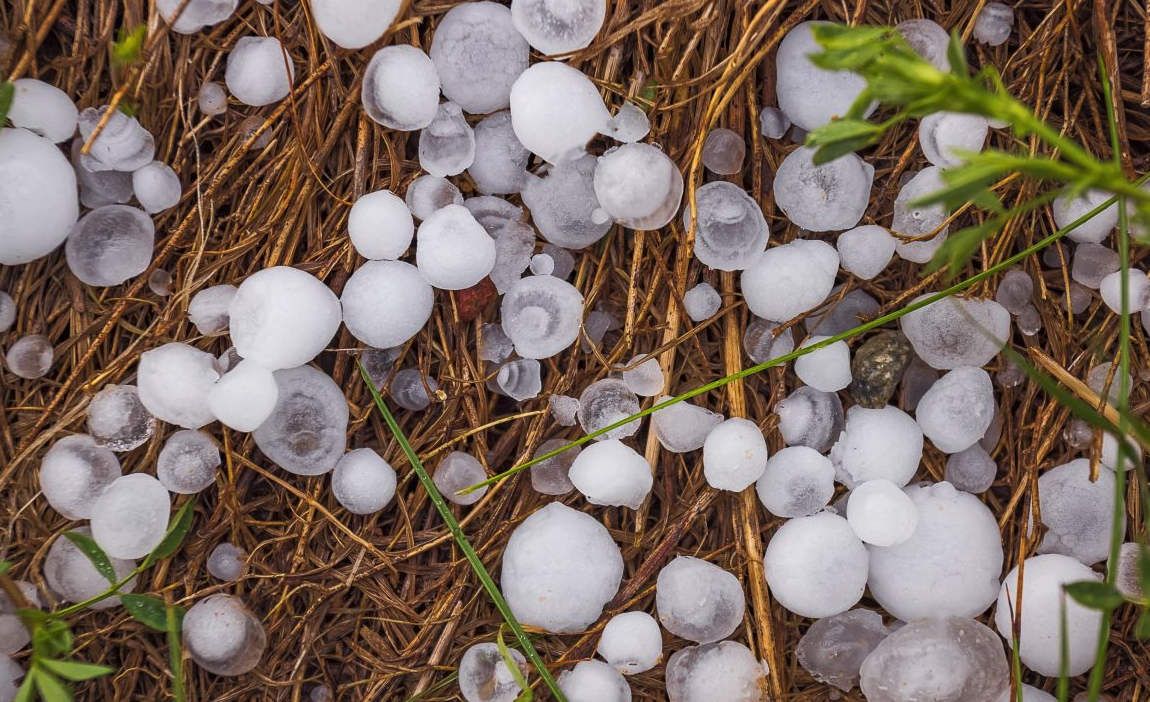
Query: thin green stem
x,y
110,592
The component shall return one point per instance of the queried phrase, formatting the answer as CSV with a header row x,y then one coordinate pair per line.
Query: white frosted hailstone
x,y
950,659
611,473
811,96
1029,692
71,575
726,671
928,39
259,71
1077,511
1049,615
732,232
949,567
244,397
559,568
380,225
30,357
823,198
834,648
121,145
499,165
520,379
630,124
558,27
541,315
195,15
542,264
188,462
39,205
173,383
810,417
563,204
638,186
222,636
156,186
363,482
73,474
645,379
556,110
631,642
227,562
428,194
484,676
828,368
683,426
798,482
877,443
943,134
605,402
992,26
698,600
1137,291
353,24
454,252
594,681
881,514
130,516
401,88
208,309
211,99
912,220
956,332
734,455
702,301
816,566
971,470
723,152
7,311
457,471
478,54
865,251
551,476
282,317
385,303
43,109
956,411
447,145
110,244
307,431
1095,230
790,279
118,420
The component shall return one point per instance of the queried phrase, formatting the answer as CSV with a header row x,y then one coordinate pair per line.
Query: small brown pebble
x,y
877,368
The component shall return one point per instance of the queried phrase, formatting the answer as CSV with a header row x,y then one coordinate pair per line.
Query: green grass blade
x,y
175,654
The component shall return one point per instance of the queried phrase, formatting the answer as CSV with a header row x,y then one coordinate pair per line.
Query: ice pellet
x,y
1015,290
484,676
957,332
380,225
563,204
478,54
244,397
811,96
877,443
594,681
282,317
881,514
72,576
73,474
798,482
761,344
259,71
363,482
698,600
1078,512
227,562
834,648
173,384
551,476
401,88
542,264
631,642
195,15
208,309
816,566
558,27
732,232
130,516
520,379
993,24
222,636
307,431
702,301
43,109
454,251
683,426
30,356
611,473
188,462
828,368
723,151
556,110
956,412
773,123
823,198
630,124
122,144
353,24
810,417
638,186
457,471
410,389
790,279
211,99
1095,230
914,221
110,244
156,186
645,379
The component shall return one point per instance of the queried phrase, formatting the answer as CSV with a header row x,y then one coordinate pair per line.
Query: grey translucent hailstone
x,y
130,516
7,311
385,303
797,482
559,569
307,432
826,197
353,24
73,474
1077,511
428,194
13,634
208,309
121,145
492,212
1015,290
630,124
881,514
282,317
972,470
702,301
499,162
558,27
605,402
363,482
912,220
683,426
644,379
761,344
401,88
563,204
816,566
956,412
1029,321
11,675
1092,263
541,315
551,476
320,693
631,642
724,151
211,99
834,648
811,96
188,462
71,575
698,600
514,245
222,636
247,131
456,472
1067,210
43,109
99,188
948,567
43,207
244,397
542,264
556,110
173,384
790,279
1078,299
928,39
638,186
773,123
484,676
494,346
110,244
842,312
478,54
993,24
865,251
196,14
957,331
447,145
944,135
520,379
157,187
227,562
732,232
811,418
1107,381
594,329
259,71
726,671
877,443
594,681
951,659
564,409
1050,620
410,389
30,356
610,473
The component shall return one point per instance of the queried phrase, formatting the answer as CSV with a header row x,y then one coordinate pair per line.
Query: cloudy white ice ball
x,y
39,203
259,71
353,24
244,397
380,225
282,317
790,279
556,110
130,516
734,455
816,566
454,251
401,88
363,482
631,642
173,383
385,303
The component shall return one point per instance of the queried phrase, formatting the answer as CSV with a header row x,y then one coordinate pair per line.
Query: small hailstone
x,y
563,204
798,482
130,516
71,575
43,109
514,245
594,681
551,476
499,164
208,309
683,426
834,648
195,15
380,225
428,194
631,642
605,402
173,384
222,636
956,332
353,24
810,417
73,474
1094,230
110,244
484,676
385,303
1030,693
478,54
943,135
811,96
594,329
1106,380
212,99
363,482
320,693
698,600
118,420
564,409
911,220
1127,577
30,357
1137,291
956,412
701,302
773,123
122,144
865,251
726,671
558,28
247,130
454,251
734,455
99,188
790,279
877,443
613,474
282,317
520,379
993,24
227,562
188,462
928,39
1078,299
447,145
1015,290
761,344
732,232
7,311
828,368
458,471
823,198
816,566
11,675
379,364
542,264
244,397
409,389
881,514
541,315
556,110
1077,511
401,88
645,379
723,152
629,125
307,431
638,186
1092,264
843,313
494,346
259,71
157,187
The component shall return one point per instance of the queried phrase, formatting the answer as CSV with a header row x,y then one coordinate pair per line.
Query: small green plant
x,y
129,45
7,94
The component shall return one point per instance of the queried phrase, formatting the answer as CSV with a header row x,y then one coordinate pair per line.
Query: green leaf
x,y
959,247
7,94
5,566
94,553
75,670
175,621
956,56
1095,595
841,137
27,689
177,531
1142,628
512,667
53,639
126,50
51,688
149,610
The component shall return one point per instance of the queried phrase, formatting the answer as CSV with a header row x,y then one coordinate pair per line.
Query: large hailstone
x,y
307,431
385,303
70,573
244,397
556,110
259,71
726,671
563,203
612,473
174,381
829,197
222,636
732,231
811,96
130,516
957,331
943,135
110,244
282,317
638,186
38,203
956,411
834,648
1067,210
698,601
43,109
400,88
1078,512
734,455
541,315
478,55
558,27
594,681
797,482
816,566
73,474
353,24
790,279
453,250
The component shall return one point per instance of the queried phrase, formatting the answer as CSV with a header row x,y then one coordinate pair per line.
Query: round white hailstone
x,y
385,303
485,677
992,26
73,474
478,55
811,96
683,426
551,475
816,566
70,574
773,123
1077,512
428,194
307,431
39,204
631,642
212,99
611,473
157,187
823,198
956,411
363,482
454,252
698,600
541,315
110,244
7,311
456,472
208,309
282,317
30,357
227,562
1029,693
928,39
948,567
174,381
499,166
222,636
594,681
630,124
915,221
723,151
401,88
865,251
828,368
196,14
43,109
353,24
188,462
1046,612
259,71
556,110
881,514
956,332
130,516
1094,230
790,279
798,482
943,134
639,186
118,420
380,225
1137,291
559,568
645,379
244,397
732,232
972,470
701,302
734,455
558,28
542,264
726,671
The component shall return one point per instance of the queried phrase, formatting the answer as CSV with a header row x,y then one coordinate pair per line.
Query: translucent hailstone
x,y
43,109
556,110
698,600
454,251
551,475
222,636
790,279
950,659
380,225
173,384
865,251
1092,264
810,417
594,329
188,462
282,317
823,198
121,145
881,514
942,135
828,368
558,27
1078,512
726,670
363,482
447,145
564,409
1015,291
130,516
11,674
353,24
244,397
877,443
195,15
73,474
484,676
816,566
594,681
520,379
631,642
993,24
211,99
915,221
956,412
1095,230
156,186
499,162
7,311
456,472
798,482
514,245
613,474
494,346
1106,380
542,264
1049,617
702,301
259,71
638,186
928,39
559,568
110,244
410,389
401,88
227,562
761,344
247,133
773,123
732,232
208,309
307,431
385,303
605,402
949,567
834,648
843,312
541,315
630,124
493,212
645,379
1137,291
811,96
723,151
734,455
478,55
30,356
683,426
320,693
956,332
563,204
71,575
428,194
972,470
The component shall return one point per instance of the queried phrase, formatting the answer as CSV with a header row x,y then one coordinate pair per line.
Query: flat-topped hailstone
x,y
563,203
541,315
156,186
385,303
196,14
811,96
798,482
594,681
790,279
810,417
222,636
121,145
259,71
559,568
683,426
631,642
73,474
913,221
499,166
363,482
823,198
454,252
380,225
881,514
942,135
244,397
816,566
1077,511
1048,615
38,205
558,27
71,575
605,402
353,24
948,567
1067,210
130,516
827,368
188,463
307,431
282,317
928,39
110,244
556,110
956,331
732,232
43,109
956,411
734,455
726,671
401,88
638,186
478,54
698,600
173,383
834,648
865,251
